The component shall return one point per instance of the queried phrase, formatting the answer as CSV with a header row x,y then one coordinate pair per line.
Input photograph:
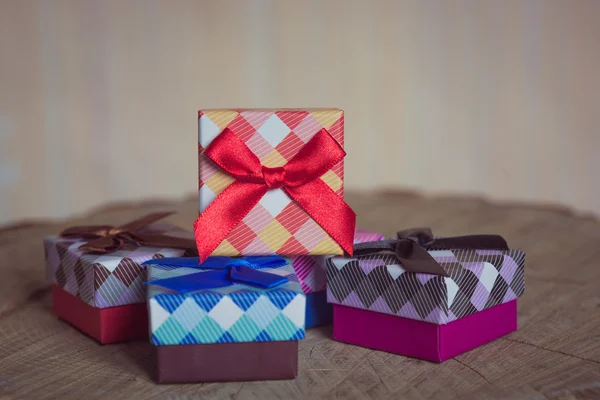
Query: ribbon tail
x,y
254,277
224,214
329,211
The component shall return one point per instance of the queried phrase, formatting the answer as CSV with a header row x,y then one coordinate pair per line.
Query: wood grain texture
x,y
555,354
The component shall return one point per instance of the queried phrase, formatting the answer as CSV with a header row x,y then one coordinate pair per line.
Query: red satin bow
x,y
299,179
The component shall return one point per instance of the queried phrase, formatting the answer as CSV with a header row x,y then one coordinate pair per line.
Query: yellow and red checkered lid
x,y
276,224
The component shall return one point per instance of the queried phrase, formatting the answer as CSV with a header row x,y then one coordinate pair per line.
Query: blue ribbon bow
x,y
223,271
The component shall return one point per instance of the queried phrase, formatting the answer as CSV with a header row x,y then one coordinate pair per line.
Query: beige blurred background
x,y
98,99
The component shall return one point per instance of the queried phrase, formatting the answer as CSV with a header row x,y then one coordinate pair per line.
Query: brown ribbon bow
x,y
412,245
106,238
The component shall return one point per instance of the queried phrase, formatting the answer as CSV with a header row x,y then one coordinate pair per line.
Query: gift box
x,y
272,182
216,321
98,278
311,275
424,297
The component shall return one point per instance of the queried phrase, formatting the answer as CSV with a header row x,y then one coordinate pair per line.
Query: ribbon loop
x,y
107,239
299,179
412,247
221,272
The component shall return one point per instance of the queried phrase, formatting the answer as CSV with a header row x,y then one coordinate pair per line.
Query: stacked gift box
x,y
274,251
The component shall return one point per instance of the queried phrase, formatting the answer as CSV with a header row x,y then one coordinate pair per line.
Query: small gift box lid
x,y
107,279
236,313
477,280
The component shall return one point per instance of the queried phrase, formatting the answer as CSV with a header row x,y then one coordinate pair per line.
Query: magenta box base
x,y
420,339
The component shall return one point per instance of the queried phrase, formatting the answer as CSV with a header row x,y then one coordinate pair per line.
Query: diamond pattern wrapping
x,y
479,279
104,280
276,225
236,313
311,269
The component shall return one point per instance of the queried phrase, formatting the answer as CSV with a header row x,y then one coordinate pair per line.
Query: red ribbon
x,y
299,179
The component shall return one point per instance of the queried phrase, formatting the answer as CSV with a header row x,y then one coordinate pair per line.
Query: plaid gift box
x,y
237,332
103,294
377,289
276,224
311,275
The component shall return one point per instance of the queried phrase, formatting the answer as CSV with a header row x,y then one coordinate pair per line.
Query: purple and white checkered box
x,y
478,280
105,280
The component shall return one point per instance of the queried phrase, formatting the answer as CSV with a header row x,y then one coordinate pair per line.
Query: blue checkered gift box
x,y
236,313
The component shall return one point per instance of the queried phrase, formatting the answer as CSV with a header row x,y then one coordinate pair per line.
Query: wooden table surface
x,y
555,353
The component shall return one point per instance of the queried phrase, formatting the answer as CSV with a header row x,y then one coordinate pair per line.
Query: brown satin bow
x,y
412,245
106,238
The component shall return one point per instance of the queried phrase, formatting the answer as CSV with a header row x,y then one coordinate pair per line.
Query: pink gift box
x,y
380,305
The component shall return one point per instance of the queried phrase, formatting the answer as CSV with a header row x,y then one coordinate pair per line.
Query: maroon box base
x,y
227,362
421,339
106,325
